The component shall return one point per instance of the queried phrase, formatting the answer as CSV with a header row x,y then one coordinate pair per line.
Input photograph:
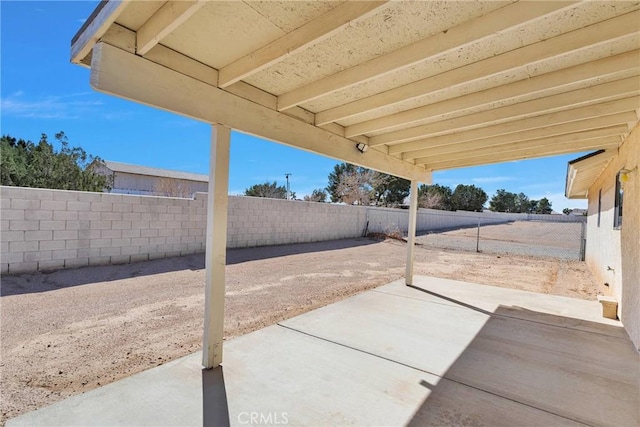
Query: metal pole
x,y
287,175
583,241
478,238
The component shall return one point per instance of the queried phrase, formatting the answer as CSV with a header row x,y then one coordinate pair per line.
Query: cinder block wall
x,y
256,221
52,229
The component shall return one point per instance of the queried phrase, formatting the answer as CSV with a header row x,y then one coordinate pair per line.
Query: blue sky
x,y
42,92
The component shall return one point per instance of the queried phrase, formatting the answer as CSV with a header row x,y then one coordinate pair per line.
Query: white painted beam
x,y
338,18
479,99
125,39
169,17
466,140
566,100
98,24
155,85
491,157
216,252
471,123
461,151
468,32
562,44
411,232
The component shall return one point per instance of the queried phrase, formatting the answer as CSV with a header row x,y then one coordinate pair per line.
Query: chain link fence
x,y
562,240
555,236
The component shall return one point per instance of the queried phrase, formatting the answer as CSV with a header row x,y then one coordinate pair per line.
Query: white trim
x,y
411,232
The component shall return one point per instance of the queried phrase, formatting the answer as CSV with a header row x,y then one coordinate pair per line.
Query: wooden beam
x,y
302,37
608,30
98,23
411,232
486,160
152,84
466,140
216,251
169,17
471,122
539,143
593,144
468,32
519,152
125,39
592,94
477,99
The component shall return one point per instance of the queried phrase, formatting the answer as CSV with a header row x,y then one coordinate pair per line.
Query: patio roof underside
x,y
426,85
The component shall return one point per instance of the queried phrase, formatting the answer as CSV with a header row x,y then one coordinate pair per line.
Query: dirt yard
x,y
534,238
70,331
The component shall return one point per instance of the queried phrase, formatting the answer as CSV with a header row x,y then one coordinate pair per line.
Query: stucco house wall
x,y
613,254
145,181
128,183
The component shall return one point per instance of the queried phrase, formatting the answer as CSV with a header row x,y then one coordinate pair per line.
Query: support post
x,y
216,251
411,232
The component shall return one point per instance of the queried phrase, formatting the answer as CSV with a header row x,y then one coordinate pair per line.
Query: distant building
x,y
133,179
578,212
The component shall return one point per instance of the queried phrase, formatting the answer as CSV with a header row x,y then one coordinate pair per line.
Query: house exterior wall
x,y
613,254
146,185
128,183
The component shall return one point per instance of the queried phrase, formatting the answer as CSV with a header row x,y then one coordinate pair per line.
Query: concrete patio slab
x,y
569,312
392,356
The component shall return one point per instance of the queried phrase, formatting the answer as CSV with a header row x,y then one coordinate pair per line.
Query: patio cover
x,y
419,86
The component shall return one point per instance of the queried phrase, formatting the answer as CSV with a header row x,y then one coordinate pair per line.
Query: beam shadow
x,y
36,282
525,367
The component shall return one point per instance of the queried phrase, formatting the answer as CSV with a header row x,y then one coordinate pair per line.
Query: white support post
x,y
411,233
216,252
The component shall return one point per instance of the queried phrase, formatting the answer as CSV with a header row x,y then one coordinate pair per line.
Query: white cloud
x,y
49,107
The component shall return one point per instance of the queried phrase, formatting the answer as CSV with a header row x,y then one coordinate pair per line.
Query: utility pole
x,y
287,175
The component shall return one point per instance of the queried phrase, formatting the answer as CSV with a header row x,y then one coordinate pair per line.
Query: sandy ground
x,y
529,238
70,331
540,233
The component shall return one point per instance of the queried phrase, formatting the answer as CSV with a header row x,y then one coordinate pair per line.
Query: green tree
x,y
435,196
25,164
503,201
468,198
544,206
567,211
523,204
269,190
389,190
317,195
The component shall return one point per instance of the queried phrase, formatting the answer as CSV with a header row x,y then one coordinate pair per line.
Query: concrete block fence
x,y
53,229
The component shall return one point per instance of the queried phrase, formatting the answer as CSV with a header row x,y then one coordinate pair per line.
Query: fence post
x,y
478,238
583,241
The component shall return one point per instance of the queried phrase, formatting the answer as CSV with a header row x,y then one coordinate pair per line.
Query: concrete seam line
x,y
428,372
356,349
